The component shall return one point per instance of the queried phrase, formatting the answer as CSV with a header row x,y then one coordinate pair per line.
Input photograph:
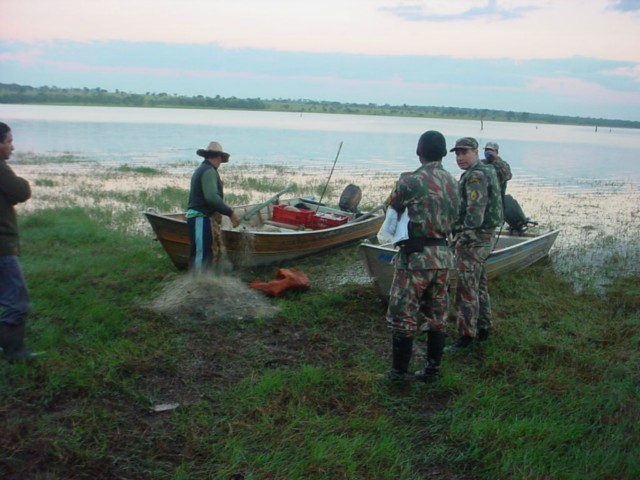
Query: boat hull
x,y
249,246
512,253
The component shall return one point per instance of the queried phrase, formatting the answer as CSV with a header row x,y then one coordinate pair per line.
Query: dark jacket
x,y
13,190
206,194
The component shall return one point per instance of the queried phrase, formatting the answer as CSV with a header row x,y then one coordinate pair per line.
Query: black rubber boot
x,y
401,357
435,347
12,343
483,334
461,344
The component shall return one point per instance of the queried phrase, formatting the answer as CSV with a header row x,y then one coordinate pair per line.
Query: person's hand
x,y
235,221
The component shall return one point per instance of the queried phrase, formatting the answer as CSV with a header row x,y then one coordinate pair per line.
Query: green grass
x,y
139,169
30,158
45,183
553,395
265,184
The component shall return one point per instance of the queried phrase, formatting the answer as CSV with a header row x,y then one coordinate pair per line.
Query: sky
x,y
561,57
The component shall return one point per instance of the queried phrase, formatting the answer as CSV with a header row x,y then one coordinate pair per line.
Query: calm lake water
x,y
539,154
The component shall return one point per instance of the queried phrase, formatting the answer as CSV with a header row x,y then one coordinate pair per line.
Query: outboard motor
x,y
350,198
514,216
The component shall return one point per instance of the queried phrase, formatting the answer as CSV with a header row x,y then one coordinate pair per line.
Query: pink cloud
x,y
73,67
583,91
633,72
26,57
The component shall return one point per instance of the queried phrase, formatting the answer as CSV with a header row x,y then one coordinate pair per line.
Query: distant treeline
x,y
20,94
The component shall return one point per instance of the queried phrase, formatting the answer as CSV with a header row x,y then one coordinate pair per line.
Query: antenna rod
x,y
330,174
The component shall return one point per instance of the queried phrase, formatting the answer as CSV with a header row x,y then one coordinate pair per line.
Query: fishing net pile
x,y
210,298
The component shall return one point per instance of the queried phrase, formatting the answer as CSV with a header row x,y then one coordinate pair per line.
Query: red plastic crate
x,y
328,220
292,215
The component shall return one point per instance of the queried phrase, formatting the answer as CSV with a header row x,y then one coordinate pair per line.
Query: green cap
x,y
465,143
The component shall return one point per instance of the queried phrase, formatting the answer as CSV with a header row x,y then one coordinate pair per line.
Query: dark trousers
x,y
201,237
14,297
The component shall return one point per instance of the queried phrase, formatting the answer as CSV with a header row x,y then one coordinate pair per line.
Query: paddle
x,y
252,211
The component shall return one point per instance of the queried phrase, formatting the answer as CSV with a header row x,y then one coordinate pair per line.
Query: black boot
x,y
463,343
402,349
12,343
435,347
483,334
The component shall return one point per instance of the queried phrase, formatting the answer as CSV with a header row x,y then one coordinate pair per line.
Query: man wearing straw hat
x,y
205,209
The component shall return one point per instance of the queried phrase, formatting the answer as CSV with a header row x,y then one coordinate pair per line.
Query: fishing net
x,y
210,298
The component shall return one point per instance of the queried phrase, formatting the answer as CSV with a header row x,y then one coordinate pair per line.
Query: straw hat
x,y
212,150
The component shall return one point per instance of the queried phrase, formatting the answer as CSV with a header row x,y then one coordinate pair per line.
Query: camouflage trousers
x,y
473,303
415,291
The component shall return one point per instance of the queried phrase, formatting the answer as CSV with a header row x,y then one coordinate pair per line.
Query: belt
x,y
434,242
414,245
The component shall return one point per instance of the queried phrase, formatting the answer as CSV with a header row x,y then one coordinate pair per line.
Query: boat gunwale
x,y
378,259
352,224
531,238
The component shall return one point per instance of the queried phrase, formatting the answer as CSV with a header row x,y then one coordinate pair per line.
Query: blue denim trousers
x,y
14,297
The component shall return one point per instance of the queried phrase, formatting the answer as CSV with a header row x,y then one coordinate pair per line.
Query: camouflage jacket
x,y
503,170
431,196
481,201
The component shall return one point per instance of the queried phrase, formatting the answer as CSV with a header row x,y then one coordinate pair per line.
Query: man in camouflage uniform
x,y
503,170
421,276
480,214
